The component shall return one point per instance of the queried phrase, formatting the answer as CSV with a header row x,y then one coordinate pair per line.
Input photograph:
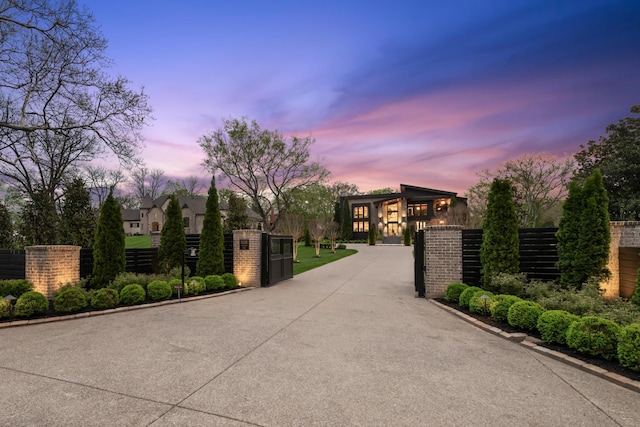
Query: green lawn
x,y
308,261
133,242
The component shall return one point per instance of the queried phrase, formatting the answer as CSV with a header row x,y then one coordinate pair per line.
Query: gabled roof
x,y
130,214
404,188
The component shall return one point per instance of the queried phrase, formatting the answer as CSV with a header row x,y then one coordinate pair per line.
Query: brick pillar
x,y
611,287
443,246
247,257
155,239
50,267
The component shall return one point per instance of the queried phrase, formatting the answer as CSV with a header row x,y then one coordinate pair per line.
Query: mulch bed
x,y
611,366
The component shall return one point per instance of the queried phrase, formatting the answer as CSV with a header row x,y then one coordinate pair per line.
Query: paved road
x,y
345,344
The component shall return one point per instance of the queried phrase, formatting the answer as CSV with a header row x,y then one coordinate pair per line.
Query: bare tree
x,y
539,181
100,180
261,164
190,186
332,233
292,224
57,105
145,181
318,228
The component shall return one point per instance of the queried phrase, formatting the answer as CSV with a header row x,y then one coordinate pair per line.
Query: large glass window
x,y
361,226
360,212
417,209
441,205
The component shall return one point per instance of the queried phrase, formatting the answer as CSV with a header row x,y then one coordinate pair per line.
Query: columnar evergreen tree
x,y
372,234
77,217
595,232
6,227
346,225
108,248
211,256
569,235
584,234
40,220
173,242
237,219
499,252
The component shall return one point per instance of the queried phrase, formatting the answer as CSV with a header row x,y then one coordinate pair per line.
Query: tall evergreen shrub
x,y
595,232
211,254
346,226
6,227
172,239
584,233
77,216
499,251
108,248
372,234
237,218
568,235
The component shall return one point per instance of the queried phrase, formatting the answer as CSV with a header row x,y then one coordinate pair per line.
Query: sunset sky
x,y
423,92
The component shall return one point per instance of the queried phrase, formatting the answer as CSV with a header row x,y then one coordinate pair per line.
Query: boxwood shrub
x,y
15,287
5,308
159,290
230,281
70,300
132,294
629,347
594,336
31,303
453,291
214,282
105,298
524,315
479,305
554,324
499,306
196,285
466,295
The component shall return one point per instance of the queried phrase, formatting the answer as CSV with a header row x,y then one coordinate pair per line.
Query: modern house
x,y
151,215
413,207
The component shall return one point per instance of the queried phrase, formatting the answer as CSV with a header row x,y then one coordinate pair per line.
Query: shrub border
x,y
24,322
531,343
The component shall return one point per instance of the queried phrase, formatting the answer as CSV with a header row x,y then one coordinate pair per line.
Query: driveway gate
x,y
277,259
419,265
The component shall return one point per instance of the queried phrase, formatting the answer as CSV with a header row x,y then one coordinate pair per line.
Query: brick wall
x,y
443,247
624,234
50,267
247,257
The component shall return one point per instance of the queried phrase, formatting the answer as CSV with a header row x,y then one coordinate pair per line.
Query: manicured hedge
x,y
159,290
524,315
629,346
499,306
466,295
214,282
230,281
554,324
453,291
31,303
70,300
105,298
132,294
15,287
594,336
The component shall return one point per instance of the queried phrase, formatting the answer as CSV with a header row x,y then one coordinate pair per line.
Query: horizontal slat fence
x,y
139,260
12,263
538,254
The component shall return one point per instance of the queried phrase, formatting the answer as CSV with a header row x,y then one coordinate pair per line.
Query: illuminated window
x,y
361,227
441,205
360,212
417,209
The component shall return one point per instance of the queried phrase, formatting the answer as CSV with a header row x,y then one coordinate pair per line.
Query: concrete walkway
x,y
345,344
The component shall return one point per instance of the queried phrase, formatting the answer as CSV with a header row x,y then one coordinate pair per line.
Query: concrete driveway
x,y
345,344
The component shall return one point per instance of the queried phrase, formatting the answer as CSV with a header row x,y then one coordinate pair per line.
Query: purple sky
x,y
417,92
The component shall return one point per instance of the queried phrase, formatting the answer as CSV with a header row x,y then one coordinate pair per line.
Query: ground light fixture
x,y
485,298
191,252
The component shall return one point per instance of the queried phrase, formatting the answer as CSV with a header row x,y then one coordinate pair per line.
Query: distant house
x,y
413,207
151,215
